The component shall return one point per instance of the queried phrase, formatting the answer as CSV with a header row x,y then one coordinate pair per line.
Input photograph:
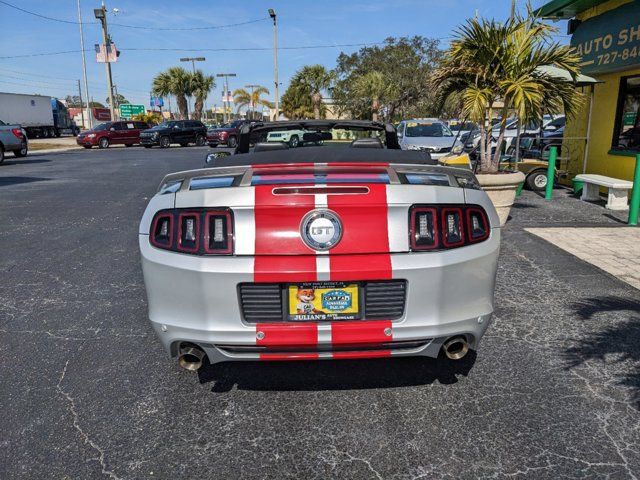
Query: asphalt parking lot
x,y
87,391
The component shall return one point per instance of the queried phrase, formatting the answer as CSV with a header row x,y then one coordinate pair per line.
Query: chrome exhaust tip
x,y
191,358
455,348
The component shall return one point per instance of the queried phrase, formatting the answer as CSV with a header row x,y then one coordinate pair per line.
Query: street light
x,y
224,95
272,14
193,61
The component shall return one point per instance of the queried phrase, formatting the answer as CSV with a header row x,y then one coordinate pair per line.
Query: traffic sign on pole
x,y
128,110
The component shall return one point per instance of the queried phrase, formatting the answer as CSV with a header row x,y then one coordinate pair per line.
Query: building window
x,y
626,135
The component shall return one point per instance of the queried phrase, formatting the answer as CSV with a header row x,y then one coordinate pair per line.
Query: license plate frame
x,y
333,301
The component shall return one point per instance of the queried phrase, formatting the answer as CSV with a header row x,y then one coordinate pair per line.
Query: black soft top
x,y
328,155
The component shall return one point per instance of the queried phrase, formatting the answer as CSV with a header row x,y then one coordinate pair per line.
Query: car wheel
x,y
103,143
294,141
165,142
199,140
537,181
232,142
1,154
22,152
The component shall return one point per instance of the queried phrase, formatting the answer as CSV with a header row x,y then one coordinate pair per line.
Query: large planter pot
x,y
501,188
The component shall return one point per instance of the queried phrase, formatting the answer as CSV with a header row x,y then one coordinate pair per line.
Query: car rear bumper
x,y
195,299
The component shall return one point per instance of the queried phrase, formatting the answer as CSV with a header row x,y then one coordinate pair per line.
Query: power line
x,y
140,27
241,49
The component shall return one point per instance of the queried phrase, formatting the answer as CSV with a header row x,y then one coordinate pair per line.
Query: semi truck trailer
x,y
41,116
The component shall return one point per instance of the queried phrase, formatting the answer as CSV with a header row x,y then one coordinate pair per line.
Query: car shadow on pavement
x,y
22,161
617,343
335,375
6,181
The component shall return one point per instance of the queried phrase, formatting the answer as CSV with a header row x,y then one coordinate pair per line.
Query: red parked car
x,y
112,133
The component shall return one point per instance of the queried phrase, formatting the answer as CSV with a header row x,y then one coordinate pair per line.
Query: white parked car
x,y
294,138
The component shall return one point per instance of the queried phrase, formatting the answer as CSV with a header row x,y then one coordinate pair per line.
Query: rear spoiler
x,y
243,176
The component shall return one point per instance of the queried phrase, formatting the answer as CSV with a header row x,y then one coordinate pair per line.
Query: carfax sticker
x,y
323,301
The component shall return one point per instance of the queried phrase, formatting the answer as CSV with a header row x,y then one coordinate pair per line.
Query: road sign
x,y
128,110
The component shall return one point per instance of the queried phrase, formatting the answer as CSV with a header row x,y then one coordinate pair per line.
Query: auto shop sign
x,y
128,110
611,41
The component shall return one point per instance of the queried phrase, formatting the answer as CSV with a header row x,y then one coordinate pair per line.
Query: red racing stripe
x,y
365,231
360,332
280,253
286,334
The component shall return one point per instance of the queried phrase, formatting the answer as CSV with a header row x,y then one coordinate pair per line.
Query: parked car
x,y
462,129
294,138
13,138
428,134
358,252
126,132
226,135
182,132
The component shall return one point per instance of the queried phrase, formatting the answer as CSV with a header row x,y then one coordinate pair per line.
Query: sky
x,y
301,23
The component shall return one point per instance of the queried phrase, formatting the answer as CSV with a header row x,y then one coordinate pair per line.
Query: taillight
x,y
446,226
193,231
17,132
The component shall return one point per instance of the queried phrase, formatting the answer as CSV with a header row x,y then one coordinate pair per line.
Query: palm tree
x,y
201,85
243,98
372,86
174,81
490,62
317,79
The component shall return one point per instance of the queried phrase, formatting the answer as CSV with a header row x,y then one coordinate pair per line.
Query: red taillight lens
x,y
446,226
182,230
17,132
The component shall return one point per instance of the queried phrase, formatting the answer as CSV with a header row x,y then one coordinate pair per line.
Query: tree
x,y
119,99
243,98
316,79
490,61
374,87
296,101
201,85
174,81
405,64
152,118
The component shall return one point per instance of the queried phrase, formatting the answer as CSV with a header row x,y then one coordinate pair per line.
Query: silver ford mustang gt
x,y
319,253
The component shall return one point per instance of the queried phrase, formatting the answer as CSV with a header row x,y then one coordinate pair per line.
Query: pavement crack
x,y
78,427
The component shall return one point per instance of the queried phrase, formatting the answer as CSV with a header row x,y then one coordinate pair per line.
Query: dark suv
x,y
182,132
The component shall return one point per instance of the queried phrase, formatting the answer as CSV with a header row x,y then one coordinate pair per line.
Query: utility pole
x,y
81,108
226,90
84,73
193,61
251,104
101,14
272,14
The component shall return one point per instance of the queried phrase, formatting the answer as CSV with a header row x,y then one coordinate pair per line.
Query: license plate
x,y
324,301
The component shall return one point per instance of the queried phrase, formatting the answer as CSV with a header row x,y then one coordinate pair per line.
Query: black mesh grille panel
x,y
261,302
384,300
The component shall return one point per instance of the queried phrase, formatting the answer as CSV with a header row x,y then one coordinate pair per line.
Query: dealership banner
x,y
611,41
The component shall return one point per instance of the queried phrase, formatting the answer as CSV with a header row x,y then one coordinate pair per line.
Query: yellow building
x,y
604,137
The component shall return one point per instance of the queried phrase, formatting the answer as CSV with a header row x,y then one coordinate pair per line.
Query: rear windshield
x,y
415,129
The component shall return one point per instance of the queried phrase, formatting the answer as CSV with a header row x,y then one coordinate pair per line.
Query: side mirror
x,y
400,135
176,127
112,129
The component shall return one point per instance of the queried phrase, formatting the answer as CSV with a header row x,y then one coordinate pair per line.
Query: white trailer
x,y
33,112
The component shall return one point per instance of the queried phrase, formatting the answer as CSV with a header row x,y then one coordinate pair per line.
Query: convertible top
x,y
328,155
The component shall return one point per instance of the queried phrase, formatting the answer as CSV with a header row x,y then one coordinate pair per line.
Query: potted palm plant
x,y
492,65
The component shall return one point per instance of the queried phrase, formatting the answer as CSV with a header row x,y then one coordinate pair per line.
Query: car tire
x,y
232,142
1,154
22,152
294,141
199,141
103,142
165,142
537,181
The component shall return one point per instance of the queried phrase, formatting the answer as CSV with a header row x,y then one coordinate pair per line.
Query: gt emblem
x,y
321,229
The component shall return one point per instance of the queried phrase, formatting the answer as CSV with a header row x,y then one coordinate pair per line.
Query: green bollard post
x,y
519,189
634,206
551,172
